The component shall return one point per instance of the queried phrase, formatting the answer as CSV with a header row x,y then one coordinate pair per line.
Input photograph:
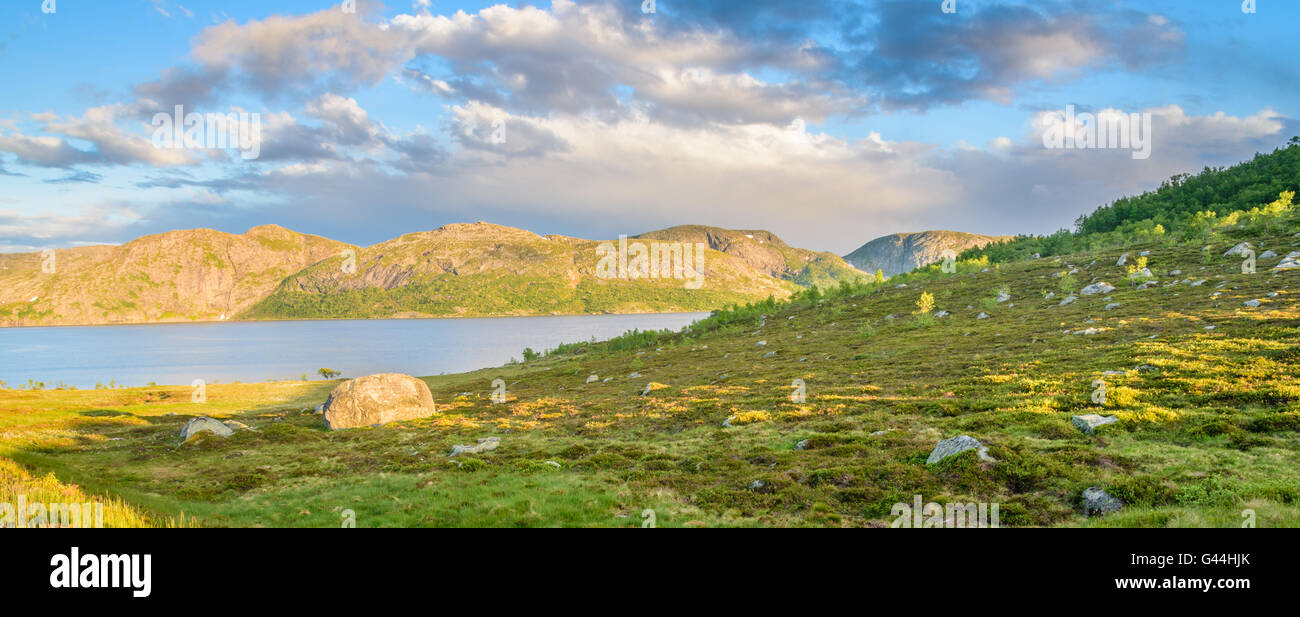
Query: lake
x,y
177,354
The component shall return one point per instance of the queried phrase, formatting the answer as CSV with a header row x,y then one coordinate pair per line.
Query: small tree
x,y
925,304
328,373
880,275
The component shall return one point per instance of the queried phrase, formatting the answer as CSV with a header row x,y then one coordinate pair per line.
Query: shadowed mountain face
x,y
898,253
477,269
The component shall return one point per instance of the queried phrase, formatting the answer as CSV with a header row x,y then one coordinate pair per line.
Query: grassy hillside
x,y
1204,387
483,269
1186,208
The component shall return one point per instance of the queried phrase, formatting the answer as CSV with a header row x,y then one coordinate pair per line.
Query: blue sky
x,y
826,122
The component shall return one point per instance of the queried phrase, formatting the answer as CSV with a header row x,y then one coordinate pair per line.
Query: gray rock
x,y
1252,303
1113,305
1089,423
1267,255
593,378
1144,254
1067,300
1003,296
376,400
957,445
1097,288
769,354
1050,295
1123,259
802,445
205,424
982,315
1240,249
1088,331
1143,273
942,314
761,344
487,444
1097,502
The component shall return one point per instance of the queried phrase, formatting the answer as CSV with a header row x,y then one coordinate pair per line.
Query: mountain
x,y
178,276
765,252
483,269
477,269
898,253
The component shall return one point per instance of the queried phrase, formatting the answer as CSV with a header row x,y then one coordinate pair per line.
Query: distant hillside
x,y
484,269
898,253
765,252
192,275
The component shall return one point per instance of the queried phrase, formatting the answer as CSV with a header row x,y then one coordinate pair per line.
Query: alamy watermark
x,y
194,131
30,515
1107,130
951,515
652,260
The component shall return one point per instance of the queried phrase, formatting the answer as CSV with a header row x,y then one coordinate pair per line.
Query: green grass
x,y
1208,427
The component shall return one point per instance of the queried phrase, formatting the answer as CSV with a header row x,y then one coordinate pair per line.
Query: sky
x,y
827,122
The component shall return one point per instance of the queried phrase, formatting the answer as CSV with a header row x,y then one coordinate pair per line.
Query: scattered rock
x,y
634,375
802,445
942,314
593,378
1088,424
204,424
1003,296
1144,254
651,387
769,354
1240,249
1123,259
982,315
377,399
1251,303
1290,262
1050,295
1067,300
240,426
1097,502
1113,305
1140,274
487,444
761,344
727,423
957,445
1267,255
1198,283
1097,288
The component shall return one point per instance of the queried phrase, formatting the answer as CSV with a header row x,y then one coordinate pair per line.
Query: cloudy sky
x,y
827,122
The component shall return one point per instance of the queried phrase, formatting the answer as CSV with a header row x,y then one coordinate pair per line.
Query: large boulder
x,y
194,427
377,399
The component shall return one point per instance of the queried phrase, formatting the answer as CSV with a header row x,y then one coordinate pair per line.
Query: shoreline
x,y
341,319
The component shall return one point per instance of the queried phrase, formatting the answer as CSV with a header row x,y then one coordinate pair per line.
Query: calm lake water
x,y
176,354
